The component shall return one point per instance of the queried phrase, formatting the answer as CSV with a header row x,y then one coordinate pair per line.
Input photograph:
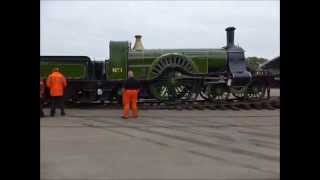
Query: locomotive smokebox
x,y
138,44
230,36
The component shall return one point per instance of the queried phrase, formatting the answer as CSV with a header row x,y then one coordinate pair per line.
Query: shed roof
x,y
272,64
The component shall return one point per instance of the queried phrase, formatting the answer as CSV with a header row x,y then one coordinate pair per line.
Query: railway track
x,y
270,104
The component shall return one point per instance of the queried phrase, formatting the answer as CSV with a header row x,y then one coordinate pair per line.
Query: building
x,y
272,66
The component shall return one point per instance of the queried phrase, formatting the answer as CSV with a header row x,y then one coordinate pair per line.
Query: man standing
x,y
56,83
42,90
130,96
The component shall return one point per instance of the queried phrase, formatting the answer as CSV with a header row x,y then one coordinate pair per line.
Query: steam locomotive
x,y
167,75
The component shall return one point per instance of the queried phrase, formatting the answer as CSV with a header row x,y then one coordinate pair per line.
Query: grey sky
x,y
86,27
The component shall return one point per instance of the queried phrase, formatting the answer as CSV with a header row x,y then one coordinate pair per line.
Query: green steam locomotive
x,y
168,75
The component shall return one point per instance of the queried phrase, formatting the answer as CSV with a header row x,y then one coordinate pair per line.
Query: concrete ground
x,y
161,144
275,92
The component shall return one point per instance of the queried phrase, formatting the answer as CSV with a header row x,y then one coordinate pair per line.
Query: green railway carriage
x,y
165,74
81,73
73,67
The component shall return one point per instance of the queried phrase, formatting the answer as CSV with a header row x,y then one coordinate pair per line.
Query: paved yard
x,y
161,144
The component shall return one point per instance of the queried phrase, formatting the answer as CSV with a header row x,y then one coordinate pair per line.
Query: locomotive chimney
x,y
230,36
138,44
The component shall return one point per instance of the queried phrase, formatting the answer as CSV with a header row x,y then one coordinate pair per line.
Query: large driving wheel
x,y
170,82
171,86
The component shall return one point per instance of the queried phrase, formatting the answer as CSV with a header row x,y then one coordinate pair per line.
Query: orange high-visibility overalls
x,y
130,97
57,83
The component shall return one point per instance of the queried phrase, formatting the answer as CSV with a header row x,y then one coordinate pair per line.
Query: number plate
x,y
117,70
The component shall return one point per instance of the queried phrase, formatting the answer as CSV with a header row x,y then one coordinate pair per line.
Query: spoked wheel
x,y
256,90
238,92
116,95
216,92
204,92
170,86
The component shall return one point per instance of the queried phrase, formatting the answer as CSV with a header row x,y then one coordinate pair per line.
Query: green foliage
x,y
254,62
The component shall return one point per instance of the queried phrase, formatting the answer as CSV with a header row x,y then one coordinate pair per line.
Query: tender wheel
x,y
115,95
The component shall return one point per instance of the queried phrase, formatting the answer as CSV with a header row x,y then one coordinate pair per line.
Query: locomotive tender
x,y
165,74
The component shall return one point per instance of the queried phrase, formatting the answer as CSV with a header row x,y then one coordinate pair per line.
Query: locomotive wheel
x,y
115,95
256,90
168,84
171,87
203,92
171,61
238,92
217,92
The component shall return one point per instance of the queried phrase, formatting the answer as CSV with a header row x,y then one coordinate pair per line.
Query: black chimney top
x,y
230,36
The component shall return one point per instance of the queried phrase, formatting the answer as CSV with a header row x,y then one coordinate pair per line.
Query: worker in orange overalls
x,y
57,83
42,91
131,88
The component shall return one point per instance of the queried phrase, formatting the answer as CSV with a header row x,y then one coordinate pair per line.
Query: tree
x,y
254,62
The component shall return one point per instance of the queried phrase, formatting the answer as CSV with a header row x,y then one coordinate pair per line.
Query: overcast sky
x,y
86,27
